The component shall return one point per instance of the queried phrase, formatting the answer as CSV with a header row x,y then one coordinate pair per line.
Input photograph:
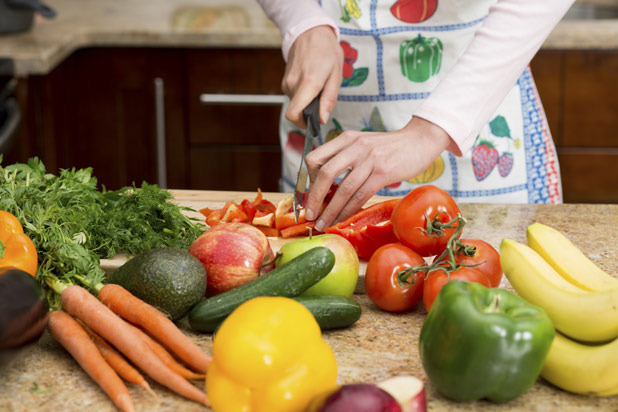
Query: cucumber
x,y
290,279
331,312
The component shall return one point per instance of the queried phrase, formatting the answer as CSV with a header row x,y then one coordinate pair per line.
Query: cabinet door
x,y
579,90
234,146
97,109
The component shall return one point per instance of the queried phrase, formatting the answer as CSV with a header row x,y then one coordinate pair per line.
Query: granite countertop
x,y
206,23
43,377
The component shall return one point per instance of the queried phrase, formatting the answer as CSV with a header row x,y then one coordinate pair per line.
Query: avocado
x,y
170,279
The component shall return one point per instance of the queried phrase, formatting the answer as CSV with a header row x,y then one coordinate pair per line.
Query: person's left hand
x,y
374,160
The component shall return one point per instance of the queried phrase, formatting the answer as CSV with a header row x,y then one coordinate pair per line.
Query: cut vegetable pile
x,y
272,220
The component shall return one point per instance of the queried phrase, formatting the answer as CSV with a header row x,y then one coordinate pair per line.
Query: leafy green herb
x,y
73,224
37,389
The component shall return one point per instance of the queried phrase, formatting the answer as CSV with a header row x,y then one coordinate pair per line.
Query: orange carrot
x,y
85,307
123,368
140,313
75,340
168,359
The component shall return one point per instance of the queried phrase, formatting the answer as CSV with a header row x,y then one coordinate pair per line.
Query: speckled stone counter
x,y
43,377
204,23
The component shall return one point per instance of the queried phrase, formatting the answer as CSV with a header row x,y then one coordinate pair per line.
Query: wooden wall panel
x,y
589,177
591,99
241,168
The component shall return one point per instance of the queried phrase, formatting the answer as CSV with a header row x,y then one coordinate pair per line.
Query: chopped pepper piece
x,y
369,228
483,343
269,355
244,212
16,249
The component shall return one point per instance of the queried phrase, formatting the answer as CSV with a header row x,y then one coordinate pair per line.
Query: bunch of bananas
x,y
582,302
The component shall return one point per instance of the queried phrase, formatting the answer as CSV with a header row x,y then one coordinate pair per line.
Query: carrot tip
x,y
150,391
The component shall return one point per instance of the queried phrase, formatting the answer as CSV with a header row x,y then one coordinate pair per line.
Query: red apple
x,y
409,392
232,254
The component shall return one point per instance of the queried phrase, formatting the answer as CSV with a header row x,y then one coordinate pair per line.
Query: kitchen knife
x,y
312,118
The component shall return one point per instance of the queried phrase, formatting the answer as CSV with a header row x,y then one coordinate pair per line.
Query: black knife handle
x,y
311,113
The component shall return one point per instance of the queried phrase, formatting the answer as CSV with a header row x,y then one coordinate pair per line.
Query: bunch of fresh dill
x,y
73,224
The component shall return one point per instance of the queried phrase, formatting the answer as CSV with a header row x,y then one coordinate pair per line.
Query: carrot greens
x,y
73,224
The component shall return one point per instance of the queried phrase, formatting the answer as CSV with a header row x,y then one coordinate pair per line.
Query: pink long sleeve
x,y
294,17
502,48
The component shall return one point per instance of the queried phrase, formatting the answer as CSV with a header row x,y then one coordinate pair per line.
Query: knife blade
x,y
312,118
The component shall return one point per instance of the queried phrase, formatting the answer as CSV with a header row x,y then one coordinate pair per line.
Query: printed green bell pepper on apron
x,y
420,58
483,343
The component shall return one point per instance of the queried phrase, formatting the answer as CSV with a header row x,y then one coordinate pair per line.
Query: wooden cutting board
x,y
198,199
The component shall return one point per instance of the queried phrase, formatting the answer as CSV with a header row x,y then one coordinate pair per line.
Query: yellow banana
x,y
579,314
567,259
581,368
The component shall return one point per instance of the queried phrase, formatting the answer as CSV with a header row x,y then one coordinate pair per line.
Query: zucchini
x,y
290,279
331,312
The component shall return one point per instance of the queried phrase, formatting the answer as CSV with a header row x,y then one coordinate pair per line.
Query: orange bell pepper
x,y
16,249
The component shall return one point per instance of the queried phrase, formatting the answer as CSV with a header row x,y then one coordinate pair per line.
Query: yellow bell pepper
x,y
269,355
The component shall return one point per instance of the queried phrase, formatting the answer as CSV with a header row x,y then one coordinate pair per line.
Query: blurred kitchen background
x,y
148,91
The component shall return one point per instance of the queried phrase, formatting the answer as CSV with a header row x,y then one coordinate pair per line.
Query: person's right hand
x,y
315,63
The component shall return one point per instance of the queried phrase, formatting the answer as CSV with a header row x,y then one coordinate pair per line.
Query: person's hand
x,y
315,63
374,160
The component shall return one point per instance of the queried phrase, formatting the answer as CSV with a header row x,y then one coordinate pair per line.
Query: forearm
x,y
294,18
502,48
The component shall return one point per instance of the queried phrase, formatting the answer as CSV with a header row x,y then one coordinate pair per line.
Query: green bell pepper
x,y
483,343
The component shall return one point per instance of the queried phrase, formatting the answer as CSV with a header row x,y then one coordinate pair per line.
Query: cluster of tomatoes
x,y
428,224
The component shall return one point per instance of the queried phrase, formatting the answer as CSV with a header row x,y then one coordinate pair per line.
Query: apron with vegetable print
x,y
395,53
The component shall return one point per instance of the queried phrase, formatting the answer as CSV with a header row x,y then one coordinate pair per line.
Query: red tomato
x,y
410,219
439,278
486,257
382,280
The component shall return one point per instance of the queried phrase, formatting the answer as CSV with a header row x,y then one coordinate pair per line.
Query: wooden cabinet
x,y
233,146
97,109
579,90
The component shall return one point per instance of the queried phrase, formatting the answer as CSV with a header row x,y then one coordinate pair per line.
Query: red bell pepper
x,y
369,228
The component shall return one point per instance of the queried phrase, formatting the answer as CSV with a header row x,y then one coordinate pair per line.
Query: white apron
x,y
395,53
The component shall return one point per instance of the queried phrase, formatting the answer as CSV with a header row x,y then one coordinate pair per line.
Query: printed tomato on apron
x,y
395,54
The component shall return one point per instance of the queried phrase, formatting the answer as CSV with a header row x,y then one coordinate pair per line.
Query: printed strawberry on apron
x,y
494,149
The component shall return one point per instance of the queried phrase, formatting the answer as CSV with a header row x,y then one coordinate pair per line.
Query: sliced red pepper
x,y
369,228
269,231
284,215
265,207
266,220
300,229
234,213
249,209
214,218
